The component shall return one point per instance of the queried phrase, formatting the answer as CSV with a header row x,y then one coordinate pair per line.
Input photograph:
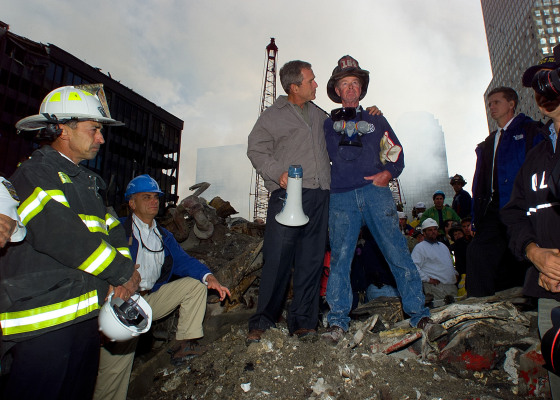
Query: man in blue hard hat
x,y
160,258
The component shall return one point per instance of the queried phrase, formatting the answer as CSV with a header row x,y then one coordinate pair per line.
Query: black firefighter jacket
x,y
60,274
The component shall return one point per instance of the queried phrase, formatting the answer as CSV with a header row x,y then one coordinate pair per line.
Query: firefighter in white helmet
x,y
53,284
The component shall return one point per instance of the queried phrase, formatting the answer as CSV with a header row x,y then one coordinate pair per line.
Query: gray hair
x,y
290,74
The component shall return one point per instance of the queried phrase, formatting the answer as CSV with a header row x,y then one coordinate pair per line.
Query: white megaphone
x,y
292,211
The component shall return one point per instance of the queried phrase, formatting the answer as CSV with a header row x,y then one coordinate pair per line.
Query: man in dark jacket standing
x,y
533,212
160,259
462,201
53,284
490,265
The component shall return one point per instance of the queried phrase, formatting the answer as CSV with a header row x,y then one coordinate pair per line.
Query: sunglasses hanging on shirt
x,y
144,245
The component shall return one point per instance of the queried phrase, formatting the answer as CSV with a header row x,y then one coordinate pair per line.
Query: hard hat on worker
x,y
70,103
142,184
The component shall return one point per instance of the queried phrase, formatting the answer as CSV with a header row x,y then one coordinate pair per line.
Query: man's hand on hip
x,y
380,179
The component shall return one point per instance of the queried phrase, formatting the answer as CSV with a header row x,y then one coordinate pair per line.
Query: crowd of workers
x,y
66,255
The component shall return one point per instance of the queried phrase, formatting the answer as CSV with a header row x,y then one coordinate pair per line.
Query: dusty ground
x,y
282,367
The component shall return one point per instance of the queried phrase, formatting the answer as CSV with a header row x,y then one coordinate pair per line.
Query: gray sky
x,y
203,61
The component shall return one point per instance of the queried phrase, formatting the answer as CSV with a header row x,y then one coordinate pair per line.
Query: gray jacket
x,y
281,138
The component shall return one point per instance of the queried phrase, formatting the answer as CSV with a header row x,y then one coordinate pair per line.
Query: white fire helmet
x,y
121,320
66,103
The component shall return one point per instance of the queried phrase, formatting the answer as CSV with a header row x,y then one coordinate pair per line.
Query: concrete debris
x,y
491,349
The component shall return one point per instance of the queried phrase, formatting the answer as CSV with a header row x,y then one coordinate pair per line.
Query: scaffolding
x,y
261,194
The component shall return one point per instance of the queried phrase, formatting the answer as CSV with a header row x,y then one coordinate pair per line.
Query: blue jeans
x,y
372,206
373,292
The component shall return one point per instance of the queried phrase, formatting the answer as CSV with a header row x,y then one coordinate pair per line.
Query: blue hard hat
x,y
438,192
142,184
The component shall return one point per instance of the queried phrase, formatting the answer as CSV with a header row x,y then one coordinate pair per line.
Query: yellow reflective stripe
x,y
47,316
33,205
55,97
124,251
111,222
59,196
94,224
99,259
74,96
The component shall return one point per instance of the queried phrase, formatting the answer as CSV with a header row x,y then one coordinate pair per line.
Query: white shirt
x,y
433,260
9,203
150,261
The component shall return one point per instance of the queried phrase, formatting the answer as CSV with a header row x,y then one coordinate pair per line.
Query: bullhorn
x,y
292,212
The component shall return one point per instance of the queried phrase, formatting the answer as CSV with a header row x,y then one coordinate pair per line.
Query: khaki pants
x,y
440,290
116,358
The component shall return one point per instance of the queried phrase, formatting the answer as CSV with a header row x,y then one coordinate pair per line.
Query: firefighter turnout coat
x,y
60,274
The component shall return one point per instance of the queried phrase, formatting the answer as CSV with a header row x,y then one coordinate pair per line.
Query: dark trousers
x,y
287,248
491,266
58,365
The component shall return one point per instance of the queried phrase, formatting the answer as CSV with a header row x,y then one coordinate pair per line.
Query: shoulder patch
x,y
64,178
10,188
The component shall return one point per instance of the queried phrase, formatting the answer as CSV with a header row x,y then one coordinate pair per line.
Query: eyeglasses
x,y
343,114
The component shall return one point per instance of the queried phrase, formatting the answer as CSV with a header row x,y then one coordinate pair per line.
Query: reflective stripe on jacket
x,y
75,248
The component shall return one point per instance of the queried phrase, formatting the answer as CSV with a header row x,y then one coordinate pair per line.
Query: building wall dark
x,y
149,142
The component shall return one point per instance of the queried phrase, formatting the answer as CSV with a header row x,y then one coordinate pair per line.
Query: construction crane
x,y
261,194
396,192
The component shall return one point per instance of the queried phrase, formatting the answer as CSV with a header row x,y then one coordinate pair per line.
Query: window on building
x,y
539,22
557,20
546,11
552,40
543,40
546,2
545,50
550,30
537,13
548,21
541,31
556,10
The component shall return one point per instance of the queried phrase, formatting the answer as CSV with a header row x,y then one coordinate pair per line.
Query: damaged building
x,y
149,142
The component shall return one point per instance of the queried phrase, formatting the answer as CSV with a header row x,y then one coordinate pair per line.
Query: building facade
x,y
149,142
425,159
519,34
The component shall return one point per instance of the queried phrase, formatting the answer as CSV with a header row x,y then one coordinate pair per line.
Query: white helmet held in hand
x,y
121,320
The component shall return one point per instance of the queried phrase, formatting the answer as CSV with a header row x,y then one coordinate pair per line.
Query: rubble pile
x,y
490,349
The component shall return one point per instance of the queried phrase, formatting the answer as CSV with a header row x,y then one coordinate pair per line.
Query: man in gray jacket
x,y
291,132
